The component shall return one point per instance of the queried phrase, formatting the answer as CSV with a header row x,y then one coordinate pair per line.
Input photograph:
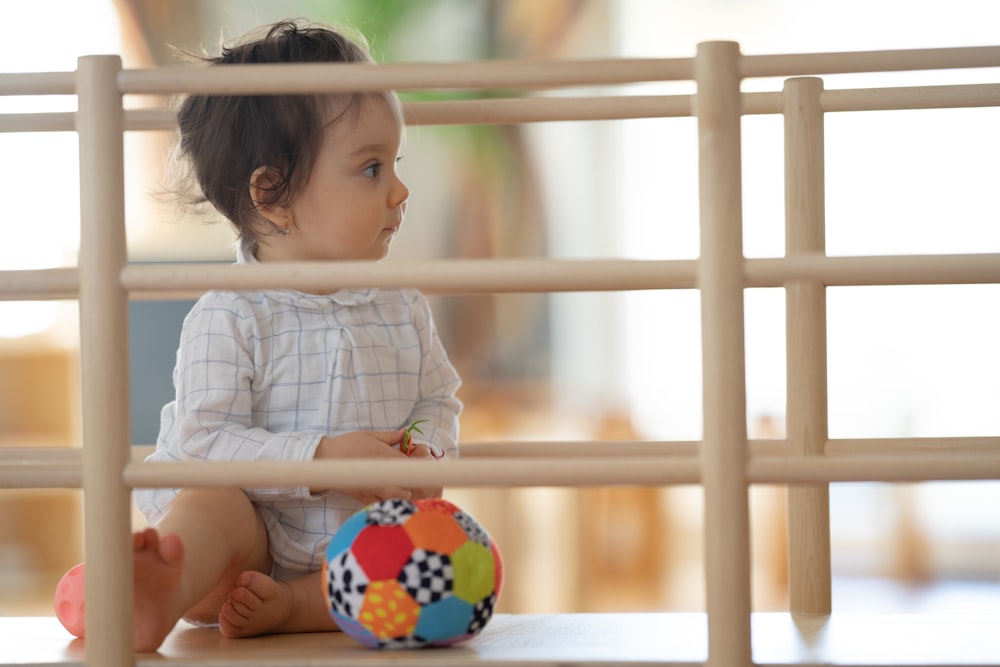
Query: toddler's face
x,y
354,201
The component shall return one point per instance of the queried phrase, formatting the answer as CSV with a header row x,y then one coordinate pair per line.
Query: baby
x,y
284,375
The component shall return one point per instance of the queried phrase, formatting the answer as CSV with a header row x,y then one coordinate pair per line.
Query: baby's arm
x,y
364,444
215,380
437,403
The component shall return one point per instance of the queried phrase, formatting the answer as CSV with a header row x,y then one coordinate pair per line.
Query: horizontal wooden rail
x,y
187,280
519,74
874,270
453,276
339,78
51,121
580,471
906,447
556,448
611,107
550,275
480,472
42,474
601,462
910,97
927,468
39,284
809,64
527,74
38,83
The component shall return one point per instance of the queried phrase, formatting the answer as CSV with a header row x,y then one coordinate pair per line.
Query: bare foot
x,y
158,562
257,605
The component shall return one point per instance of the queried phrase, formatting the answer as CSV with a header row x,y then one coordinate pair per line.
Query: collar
x,y
343,297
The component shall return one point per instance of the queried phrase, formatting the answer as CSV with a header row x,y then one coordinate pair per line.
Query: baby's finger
x,y
420,451
424,451
388,437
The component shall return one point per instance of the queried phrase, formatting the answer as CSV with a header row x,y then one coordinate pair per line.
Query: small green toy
x,y
407,445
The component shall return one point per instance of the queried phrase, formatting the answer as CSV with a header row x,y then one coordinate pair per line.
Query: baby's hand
x,y
408,445
364,444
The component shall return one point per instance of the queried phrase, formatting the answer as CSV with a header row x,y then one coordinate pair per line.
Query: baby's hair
x,y
225,138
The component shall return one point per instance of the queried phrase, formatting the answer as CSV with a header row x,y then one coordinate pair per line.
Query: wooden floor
x,y
585,640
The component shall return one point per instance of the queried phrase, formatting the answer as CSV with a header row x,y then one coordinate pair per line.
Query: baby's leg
x,y
260,605
158,566
188,565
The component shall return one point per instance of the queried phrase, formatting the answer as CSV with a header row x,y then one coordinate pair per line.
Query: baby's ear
x,y
266,194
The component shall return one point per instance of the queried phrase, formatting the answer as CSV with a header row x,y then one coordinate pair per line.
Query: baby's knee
x,y
215,500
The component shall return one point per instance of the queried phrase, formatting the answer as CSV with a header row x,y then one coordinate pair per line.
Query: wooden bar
x,y
674,461
547,109
609,107
482,472
38,83
434,277
874,270
541,275
911,97
56,121
809,574
813,64
36,284
720,278
493,74
339,78
104,365
188,280
906,447
769,447
29,474
872,468
527,74
514,472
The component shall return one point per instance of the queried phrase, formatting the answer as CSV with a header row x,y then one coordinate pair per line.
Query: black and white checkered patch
x,y
346,584
473,529
393,512
482,613
427,576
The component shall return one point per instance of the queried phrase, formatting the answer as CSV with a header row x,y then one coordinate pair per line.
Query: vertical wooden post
x,y
807,430
720,278
104,363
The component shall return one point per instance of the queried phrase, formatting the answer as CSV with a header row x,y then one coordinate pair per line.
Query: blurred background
x,y
902,361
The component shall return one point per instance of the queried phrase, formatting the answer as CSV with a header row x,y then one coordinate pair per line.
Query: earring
x,y
287,229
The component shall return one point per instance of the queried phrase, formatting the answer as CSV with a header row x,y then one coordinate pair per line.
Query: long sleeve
x,y
216,377
437,401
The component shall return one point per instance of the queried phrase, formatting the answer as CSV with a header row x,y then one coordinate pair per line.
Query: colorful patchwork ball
x,y
407,574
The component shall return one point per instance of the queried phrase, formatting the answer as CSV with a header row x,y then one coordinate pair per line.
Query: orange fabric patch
x,y
388,610
433,531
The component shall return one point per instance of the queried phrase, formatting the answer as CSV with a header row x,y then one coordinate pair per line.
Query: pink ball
x,y
69,601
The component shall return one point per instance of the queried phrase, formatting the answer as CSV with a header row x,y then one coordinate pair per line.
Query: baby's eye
x,y
372,170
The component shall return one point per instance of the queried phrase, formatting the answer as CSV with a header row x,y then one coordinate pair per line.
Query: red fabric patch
x,y
381,551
